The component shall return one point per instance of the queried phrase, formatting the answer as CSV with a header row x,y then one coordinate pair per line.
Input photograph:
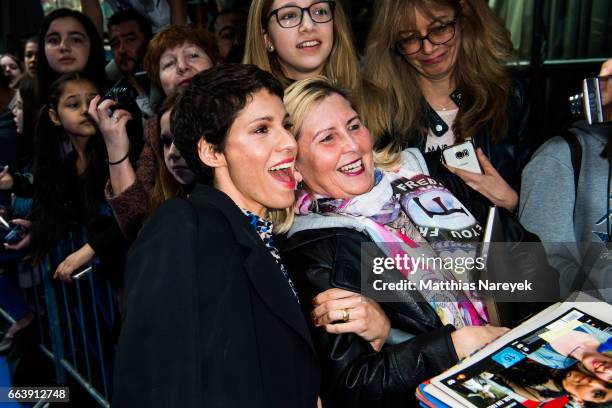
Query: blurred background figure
x,y
129,34
229,28
30,50
11,67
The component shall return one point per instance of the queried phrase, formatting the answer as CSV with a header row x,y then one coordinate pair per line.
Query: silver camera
x,y
588,103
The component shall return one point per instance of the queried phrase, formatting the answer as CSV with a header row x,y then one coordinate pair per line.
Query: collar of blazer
x,y
272,287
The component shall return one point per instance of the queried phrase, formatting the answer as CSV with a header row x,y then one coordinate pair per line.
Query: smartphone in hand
x,y
462,156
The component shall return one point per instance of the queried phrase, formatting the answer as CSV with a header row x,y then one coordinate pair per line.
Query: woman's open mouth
x,y
283,173
309,45
353,168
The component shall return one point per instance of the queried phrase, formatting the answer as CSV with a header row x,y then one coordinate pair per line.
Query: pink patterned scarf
x,y
385,211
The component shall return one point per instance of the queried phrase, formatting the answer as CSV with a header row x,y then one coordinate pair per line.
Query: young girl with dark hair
x,y
30,51
68,43
69,176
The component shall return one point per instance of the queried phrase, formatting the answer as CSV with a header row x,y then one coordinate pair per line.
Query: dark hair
x,y
96,62
16,61
209,105
25,142
33,39
132,15
52,215
230,10
4,84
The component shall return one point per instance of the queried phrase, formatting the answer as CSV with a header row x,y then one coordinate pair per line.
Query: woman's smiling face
x,y
335,150
302,51
259,156
433,61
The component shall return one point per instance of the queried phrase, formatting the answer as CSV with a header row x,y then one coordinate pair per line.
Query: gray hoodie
x,y
547,203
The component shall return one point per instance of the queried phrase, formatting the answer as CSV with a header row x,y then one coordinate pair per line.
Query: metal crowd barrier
x,y
75,321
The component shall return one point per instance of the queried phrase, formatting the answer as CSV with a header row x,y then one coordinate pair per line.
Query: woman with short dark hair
x,y
212,318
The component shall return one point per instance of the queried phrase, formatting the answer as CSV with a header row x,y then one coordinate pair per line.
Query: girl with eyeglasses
x,y
300,39
441,64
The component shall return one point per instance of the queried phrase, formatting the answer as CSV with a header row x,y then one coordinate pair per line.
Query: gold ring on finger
x,y
345,315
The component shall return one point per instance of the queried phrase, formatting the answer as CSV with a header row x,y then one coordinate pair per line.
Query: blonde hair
x,y
479,72
301,98
342,65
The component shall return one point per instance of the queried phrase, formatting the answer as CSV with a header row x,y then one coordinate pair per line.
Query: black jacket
x,y
210,321
512,152
353,374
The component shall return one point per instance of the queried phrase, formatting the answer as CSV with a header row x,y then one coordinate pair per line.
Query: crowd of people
x,y
228,178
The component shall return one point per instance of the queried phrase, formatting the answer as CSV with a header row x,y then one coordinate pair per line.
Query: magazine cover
x,y
558,359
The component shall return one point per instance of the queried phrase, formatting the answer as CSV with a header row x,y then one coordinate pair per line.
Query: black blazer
x,y
210,321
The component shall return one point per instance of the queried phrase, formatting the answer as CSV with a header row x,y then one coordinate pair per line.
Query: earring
x,y
270,47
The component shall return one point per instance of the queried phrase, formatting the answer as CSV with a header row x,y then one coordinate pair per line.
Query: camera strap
x,y
576,158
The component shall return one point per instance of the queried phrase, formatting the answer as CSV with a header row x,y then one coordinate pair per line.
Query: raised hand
x,y
490,184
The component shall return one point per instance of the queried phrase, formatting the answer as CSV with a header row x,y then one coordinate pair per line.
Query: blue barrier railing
x,y
75,321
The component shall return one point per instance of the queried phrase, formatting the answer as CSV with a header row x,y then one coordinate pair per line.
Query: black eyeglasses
x,y
292,16
437,36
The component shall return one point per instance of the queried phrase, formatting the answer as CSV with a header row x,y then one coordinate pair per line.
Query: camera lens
x,y
459,155
125,95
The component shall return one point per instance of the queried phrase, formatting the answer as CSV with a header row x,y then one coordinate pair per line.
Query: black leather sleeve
x,y
353,374
511,153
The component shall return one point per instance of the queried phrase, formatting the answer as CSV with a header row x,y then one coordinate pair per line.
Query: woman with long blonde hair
x,y
299,40
442,67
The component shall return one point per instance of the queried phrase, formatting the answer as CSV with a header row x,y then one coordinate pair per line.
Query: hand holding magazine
x,y
562,357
